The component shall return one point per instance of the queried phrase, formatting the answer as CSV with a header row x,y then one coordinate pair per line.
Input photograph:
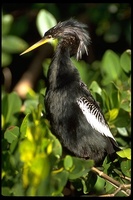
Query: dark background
x,y
109,27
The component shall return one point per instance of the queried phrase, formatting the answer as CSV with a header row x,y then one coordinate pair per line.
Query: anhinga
x,y
75,117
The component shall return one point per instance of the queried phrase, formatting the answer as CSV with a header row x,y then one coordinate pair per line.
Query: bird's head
x,y
71,33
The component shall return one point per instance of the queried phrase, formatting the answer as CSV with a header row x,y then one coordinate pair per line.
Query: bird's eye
x,y
49,36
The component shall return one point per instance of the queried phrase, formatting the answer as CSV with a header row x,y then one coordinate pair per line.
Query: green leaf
x,y
80,167
110,67
126,105
59,179
123,131
89,183
27,150
57,147
125,153
18,190
45,20
126,100
39,168
106,100
6,59
115,99
113,114
11,134
31,94
123,119
30,105
54,184
41,99
11,105
14,145
68,162
95,88
99,186
6,191
125,61
23,126
126,167
109,188
6,23
13,44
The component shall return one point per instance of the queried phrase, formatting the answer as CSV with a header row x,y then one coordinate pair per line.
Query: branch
x,y
123,187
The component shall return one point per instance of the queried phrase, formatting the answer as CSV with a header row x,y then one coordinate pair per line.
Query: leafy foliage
x,y
33,161
10,42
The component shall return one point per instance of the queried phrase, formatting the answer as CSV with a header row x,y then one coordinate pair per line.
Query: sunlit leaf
x,y
125,153
23,126
31,94
125,61
45,20
113,114
68,162
57,147
27,150
49,149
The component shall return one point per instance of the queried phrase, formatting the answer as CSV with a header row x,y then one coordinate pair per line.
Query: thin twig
x,y
125,177
122,187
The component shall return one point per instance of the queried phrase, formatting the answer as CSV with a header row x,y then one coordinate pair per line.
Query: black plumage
x,y
75,117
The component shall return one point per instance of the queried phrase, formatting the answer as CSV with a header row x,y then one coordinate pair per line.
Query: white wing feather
x,y
94,117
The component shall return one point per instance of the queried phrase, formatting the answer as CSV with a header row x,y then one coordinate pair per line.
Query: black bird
x,y
75,117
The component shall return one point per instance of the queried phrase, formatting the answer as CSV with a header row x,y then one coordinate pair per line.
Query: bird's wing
x,y
94,116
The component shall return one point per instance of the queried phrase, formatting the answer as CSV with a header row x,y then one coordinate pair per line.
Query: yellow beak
x,y
39,43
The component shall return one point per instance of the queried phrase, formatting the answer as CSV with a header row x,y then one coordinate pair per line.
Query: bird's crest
x,y
78,30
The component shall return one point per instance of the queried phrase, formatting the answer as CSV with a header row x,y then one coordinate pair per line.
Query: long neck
x,y
61,71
